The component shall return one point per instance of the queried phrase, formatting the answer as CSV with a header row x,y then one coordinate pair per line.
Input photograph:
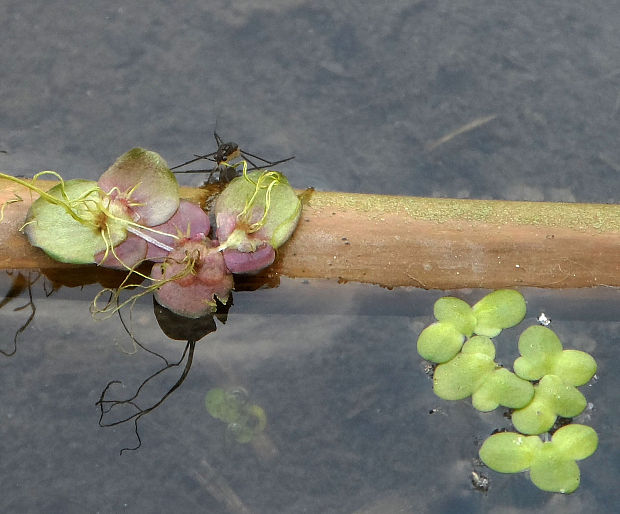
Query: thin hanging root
x,y
84,200
112,305
138,230
108,245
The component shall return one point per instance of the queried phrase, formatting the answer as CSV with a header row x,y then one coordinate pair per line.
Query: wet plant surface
x,y
424,98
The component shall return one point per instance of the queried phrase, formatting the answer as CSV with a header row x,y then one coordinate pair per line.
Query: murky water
x,y
361,93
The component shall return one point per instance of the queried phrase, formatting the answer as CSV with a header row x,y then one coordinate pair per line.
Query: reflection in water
x,y
244,420
116,410
365,407
54,278
107,406
20,282
177,328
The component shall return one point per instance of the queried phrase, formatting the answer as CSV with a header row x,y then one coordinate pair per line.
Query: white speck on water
x,y
544,320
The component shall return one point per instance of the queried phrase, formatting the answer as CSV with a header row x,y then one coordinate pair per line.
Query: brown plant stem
x,y
434,243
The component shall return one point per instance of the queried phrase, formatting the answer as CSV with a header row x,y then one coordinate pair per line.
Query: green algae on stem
x,y
575,216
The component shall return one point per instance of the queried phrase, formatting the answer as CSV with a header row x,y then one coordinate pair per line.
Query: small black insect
x,y
223,157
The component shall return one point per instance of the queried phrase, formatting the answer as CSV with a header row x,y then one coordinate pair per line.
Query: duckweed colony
x,y
542,387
